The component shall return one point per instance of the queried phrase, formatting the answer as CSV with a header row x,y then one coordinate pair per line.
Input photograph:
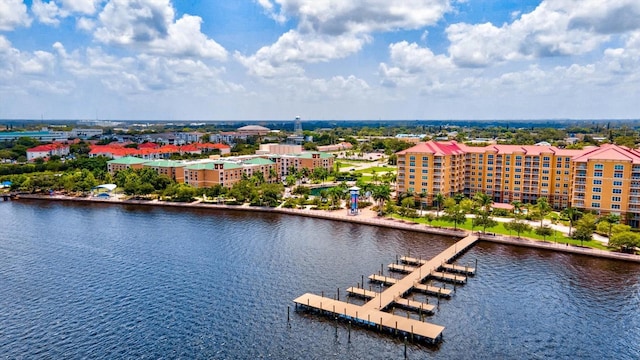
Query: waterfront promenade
x,y
365,217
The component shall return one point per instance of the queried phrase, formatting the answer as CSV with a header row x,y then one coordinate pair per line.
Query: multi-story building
x,y
603,179
229,170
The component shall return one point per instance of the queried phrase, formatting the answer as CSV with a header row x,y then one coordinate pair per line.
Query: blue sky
x,y
320,59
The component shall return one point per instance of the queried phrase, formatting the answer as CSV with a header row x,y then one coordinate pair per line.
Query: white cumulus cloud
x,y
335,29
149,25
13,13
554,28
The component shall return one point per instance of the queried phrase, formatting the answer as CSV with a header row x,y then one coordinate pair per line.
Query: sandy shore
x,y
366,217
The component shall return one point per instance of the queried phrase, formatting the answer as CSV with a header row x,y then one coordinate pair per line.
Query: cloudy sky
x,y
320,59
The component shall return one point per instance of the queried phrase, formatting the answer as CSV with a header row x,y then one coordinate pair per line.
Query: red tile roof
x,y
610,152
47,147
437,148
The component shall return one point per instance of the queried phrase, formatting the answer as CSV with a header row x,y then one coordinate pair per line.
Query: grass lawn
x,y
499,229
378,169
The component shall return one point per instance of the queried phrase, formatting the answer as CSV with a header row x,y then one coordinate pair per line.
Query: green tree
x,y
455,213
517,225
572,214
381,194
585,228
625,241
611,219
543,207
439,200
544,231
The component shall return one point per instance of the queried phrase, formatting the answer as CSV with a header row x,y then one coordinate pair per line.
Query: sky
x,y
319,59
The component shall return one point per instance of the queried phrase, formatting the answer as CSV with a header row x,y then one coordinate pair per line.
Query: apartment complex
x,y
603,179
227,171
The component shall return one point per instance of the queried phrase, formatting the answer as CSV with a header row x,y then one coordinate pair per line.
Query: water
x,y
100,281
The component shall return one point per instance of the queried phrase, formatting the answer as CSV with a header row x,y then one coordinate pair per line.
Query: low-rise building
x,y
48,150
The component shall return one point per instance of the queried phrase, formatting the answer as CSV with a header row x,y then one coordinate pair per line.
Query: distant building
x,y
48,150
336,147
253,130
279,149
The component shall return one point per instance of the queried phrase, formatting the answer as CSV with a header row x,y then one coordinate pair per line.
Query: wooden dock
x,y
466,270
387,280
401,268
372,313
360,292
400,302
383,321
448,277
433,290
410,261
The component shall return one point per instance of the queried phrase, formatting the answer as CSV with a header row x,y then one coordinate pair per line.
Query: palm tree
x,y
439,198
423,195
517,208
543,208
484,201
381,194
571,213
611,219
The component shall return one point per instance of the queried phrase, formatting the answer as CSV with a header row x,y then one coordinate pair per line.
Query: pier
x,y
372,313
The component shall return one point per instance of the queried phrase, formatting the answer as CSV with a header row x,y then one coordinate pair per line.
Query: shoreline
x,y
340,215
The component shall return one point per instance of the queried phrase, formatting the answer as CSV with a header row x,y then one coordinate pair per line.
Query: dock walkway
x,y
372,312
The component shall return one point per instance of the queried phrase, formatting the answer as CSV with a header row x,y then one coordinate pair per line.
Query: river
x,y
109,281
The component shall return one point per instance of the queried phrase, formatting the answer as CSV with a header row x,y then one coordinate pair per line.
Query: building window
x,y
618,167
595,197
617,191
545,184
598,166
595,205
597,173
545,178
617,183
615,206
425,171
596,190
424,158
615,198
597,182
617,175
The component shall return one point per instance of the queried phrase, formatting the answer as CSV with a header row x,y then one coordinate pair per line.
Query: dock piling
x,y
349,336
288,310
405,347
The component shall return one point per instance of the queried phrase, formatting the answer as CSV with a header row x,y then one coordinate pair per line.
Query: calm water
x,y
80,281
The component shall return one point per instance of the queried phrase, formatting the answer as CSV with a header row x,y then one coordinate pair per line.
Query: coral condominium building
x,y
603,179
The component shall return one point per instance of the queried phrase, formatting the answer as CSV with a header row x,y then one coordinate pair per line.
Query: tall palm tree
x,y
381,194
423,194
572,213
517,208
439,198
484,201
612,219
543,208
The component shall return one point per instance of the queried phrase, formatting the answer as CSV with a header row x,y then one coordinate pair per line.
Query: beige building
x,y
603,179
